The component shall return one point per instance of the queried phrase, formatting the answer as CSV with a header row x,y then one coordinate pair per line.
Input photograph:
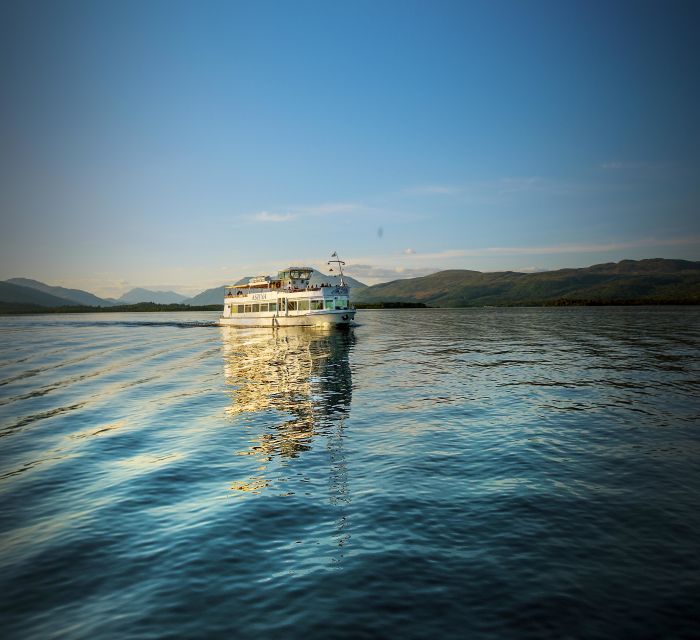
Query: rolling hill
x,y
654,280
76,296
16,294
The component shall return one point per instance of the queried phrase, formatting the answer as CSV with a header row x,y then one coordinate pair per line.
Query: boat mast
x,y
340,264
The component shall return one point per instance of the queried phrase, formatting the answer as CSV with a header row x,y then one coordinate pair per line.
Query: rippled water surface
x,y
428,474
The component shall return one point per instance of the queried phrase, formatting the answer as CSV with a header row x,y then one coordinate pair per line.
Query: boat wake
x,y
135,323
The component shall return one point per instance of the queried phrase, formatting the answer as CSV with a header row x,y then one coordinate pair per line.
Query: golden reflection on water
x,y
301,378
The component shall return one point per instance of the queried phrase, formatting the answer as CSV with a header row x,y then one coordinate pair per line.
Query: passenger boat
x,y
288,301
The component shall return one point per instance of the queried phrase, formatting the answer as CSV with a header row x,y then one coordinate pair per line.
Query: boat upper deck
x,y
235,291
289,280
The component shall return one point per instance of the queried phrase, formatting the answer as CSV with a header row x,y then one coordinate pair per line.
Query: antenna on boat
x,y
340,264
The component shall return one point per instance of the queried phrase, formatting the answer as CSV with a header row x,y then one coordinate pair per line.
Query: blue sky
x,y
185,144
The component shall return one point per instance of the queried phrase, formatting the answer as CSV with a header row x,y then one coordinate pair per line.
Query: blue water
x,y
495,473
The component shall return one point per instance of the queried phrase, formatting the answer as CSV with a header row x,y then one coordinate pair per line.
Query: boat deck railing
x,y
230,294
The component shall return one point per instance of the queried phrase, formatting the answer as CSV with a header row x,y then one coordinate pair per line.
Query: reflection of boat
x,y
288,300
304,375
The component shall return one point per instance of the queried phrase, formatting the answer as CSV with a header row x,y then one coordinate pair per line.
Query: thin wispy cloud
x,y
588,248
327,208
560,248
617,165
375,272
492,191
294,213
266,216
446,254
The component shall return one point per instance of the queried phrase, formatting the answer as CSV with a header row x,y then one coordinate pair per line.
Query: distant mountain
x,y
75,296
14,293
654,280
145,295
216,294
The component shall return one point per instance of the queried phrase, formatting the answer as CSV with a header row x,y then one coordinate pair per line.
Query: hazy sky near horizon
x,y
186,144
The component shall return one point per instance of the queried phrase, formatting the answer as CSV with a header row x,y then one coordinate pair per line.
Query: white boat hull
x,y
318,318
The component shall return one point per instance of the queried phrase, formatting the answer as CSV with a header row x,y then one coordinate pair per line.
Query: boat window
x,y
273,306
247,308
316,305
263,307
239,308
303,305
329,304
256,308
291,305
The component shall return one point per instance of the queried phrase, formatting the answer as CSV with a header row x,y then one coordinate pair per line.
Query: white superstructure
x,y
288,300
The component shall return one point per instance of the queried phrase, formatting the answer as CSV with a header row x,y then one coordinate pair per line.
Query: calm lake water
x,y
496,473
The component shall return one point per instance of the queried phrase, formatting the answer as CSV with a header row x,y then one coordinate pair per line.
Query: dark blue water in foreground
x,y
525,473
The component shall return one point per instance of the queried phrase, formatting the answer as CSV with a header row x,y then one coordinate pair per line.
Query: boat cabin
x,y
295,277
